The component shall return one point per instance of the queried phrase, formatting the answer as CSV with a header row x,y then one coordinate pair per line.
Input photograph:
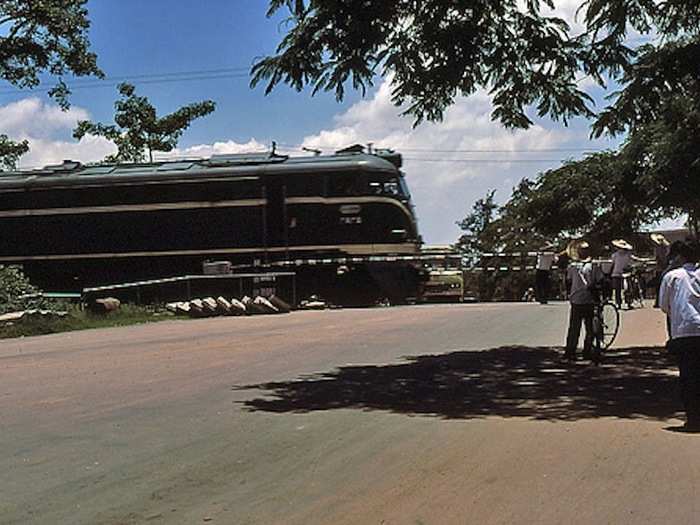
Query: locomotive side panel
x,y
155,233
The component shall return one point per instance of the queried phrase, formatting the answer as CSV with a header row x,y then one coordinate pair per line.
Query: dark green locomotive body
x,y
74,226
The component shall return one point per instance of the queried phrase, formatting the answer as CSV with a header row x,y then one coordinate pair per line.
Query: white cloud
x,y
45,151
217,148
31,117
452,163
48,130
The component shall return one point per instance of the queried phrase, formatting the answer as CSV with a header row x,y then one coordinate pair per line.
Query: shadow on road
x,y
513,381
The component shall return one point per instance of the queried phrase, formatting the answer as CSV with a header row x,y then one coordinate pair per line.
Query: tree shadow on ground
x,y
511,381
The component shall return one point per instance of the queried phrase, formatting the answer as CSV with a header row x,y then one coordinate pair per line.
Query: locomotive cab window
x,y
392,186
304,185
344,184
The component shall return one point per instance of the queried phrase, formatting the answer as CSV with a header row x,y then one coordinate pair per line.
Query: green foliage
x,y
10,152
435,50
665,153
601,197
138,129
13,285
493,228
472,242
45,36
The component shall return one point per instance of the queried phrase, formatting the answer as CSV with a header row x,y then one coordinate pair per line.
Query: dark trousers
x,y
657,285
580,313
542,285
687,349
617,286
606,287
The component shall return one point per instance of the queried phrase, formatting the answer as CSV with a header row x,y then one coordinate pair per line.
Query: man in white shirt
x,y
679,298
584,278
621,260
545,261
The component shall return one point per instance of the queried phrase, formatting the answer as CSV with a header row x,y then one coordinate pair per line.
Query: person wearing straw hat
x,y
584,278
621,259
661,249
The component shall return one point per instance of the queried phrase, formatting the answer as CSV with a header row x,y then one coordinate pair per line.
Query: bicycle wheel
x,y
611,324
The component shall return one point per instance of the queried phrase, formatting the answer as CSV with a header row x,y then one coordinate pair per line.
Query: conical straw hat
x,y
622,244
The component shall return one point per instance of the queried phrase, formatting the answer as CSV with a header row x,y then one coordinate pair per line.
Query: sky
x,y
177,52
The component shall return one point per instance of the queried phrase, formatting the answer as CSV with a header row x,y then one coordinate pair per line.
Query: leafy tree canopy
x,y
10,152
601,197
42,36
45,36
139,130
436,50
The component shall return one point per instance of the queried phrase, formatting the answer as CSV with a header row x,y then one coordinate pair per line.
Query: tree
x,y
10,152
45,36
601,197
471,242
138,130
42,36
491,228
435,50
665,153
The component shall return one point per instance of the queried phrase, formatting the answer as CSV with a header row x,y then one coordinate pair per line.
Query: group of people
x,y
612,270
678,297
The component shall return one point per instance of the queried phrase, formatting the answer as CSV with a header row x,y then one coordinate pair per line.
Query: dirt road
x,y
439,414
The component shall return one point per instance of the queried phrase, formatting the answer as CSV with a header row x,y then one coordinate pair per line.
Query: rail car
x,y
72,226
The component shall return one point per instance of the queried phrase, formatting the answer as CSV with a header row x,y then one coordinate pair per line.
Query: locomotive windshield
x,y
392,186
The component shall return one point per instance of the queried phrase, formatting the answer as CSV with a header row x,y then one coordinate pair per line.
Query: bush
x,y
13,285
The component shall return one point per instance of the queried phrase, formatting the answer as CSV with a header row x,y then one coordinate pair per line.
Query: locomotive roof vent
x,y
355,148
241,159
391,156
387,154
66,166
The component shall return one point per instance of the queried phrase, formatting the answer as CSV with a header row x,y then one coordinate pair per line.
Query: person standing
x,y
606,266
545,261
661,253
621,259
563,261
584,278
679,299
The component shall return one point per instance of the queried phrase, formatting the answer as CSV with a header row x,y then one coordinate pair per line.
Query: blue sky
x,y
157,37
133,37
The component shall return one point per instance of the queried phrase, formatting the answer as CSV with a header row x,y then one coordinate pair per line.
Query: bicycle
x,y
606,323
633,288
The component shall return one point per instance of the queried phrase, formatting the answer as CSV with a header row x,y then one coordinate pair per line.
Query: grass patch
x,y
78,319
